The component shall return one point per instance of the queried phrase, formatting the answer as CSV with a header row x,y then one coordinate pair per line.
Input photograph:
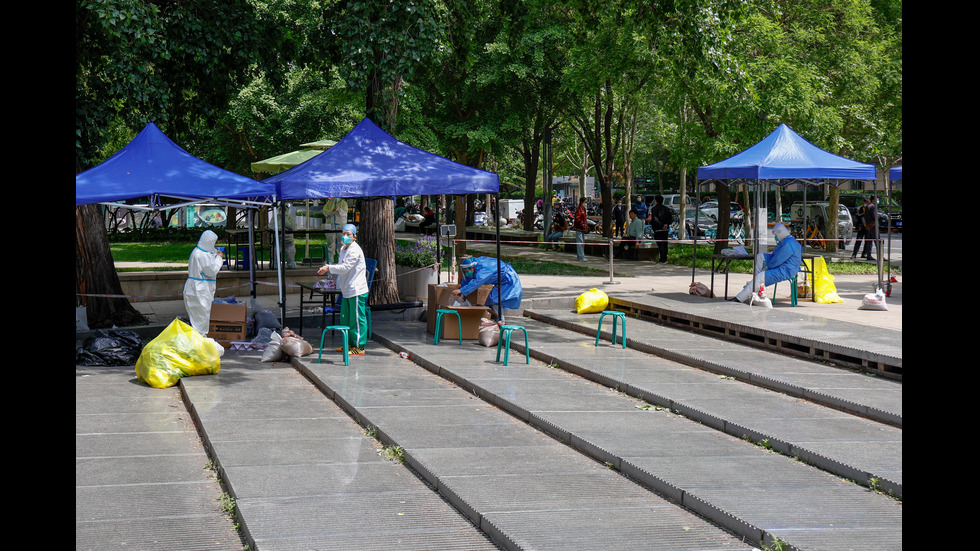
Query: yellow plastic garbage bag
x,y
824,289
591,302
177,352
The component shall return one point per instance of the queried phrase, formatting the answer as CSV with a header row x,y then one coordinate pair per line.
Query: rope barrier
x,y
178,295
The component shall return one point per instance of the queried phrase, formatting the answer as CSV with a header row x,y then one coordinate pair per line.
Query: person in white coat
x,y
351,272
202,271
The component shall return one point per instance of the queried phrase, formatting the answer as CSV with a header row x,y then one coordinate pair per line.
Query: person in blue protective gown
x,y
202,271
351,272
781,264
482,270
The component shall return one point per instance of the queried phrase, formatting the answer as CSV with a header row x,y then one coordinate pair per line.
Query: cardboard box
x,y
441,296
227,323
469,319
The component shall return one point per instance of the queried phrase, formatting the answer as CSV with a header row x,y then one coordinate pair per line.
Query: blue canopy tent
x,y
153,166
784,158
895,173
369,162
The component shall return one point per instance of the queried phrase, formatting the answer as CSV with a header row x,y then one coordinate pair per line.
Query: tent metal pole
x,y
697,209
438,246
251,253
757,240
282,291
500,292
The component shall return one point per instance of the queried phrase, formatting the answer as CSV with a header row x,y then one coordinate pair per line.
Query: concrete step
x,y
840,388
141,475
861,449
523,488
305,476
746,488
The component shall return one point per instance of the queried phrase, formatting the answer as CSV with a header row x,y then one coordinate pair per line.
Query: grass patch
x,y
677,254
683,255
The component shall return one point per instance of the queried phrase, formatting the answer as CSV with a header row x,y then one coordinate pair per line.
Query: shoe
x,y
356,352
733,299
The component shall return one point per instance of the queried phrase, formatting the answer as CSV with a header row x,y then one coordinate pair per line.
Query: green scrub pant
x,y
353,314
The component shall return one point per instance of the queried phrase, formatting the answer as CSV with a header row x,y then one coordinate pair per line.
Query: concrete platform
x,y
683,440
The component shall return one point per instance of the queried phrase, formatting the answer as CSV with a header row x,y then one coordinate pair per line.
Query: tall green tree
x,y
381,47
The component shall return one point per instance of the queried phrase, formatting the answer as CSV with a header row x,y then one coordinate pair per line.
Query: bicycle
x,y
813,237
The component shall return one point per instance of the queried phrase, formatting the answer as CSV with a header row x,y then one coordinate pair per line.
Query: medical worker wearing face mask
x,y
481,270
202,271
351,273
780,265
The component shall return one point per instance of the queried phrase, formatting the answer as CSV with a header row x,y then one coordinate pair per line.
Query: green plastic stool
x,y
459,323
505,331
341,328
792,291
616,315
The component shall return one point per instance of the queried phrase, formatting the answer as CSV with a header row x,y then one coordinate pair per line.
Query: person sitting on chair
x,y
782,264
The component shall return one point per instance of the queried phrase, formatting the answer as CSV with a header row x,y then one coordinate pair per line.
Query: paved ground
x,y
679,441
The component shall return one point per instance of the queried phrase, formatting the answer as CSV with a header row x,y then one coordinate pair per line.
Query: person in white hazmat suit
x,y
781,264
202,272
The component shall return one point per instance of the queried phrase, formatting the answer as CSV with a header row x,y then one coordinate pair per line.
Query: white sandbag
x,y
489,332
273,351
874,301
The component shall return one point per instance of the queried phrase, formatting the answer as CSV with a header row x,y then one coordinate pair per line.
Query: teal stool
x,y
505,331
343,329
792,291
616,315
459,323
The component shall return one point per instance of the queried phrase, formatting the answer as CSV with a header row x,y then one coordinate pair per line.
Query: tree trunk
x,y
724,216
95,274
531,153
376,236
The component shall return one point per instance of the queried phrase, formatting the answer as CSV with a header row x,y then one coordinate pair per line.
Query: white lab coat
x,y
351,271
202,271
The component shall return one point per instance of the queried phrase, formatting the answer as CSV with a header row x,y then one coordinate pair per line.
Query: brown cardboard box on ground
x,y
227,323
441,296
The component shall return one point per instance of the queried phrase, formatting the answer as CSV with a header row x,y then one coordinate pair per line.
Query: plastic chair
x,y
459,322
505,331
241,257
616,315
792,290
343,329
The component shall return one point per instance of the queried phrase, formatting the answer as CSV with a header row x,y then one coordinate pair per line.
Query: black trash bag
x,y
110,348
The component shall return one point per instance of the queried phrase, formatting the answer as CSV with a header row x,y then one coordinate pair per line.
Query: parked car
x,y
672,200
707,226
887,208
711,208
819,214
